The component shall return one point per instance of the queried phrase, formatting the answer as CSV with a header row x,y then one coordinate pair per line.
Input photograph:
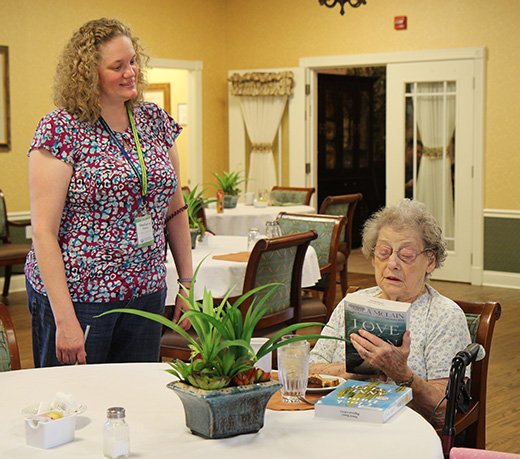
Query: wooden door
x,y
346,144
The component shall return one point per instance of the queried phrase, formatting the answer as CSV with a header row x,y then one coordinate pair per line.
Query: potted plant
x,y
222,392
196,201
228,182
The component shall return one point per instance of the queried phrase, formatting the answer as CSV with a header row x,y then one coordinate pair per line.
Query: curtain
x,y
262,98
436,122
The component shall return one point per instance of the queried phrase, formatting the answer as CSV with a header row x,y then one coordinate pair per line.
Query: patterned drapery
x,y
262,84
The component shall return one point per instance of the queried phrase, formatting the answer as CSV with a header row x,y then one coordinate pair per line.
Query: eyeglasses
x,y
406,254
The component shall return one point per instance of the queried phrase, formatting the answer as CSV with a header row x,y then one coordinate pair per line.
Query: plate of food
x,y
323,383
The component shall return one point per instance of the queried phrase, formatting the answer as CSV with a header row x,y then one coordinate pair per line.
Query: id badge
x,y
144,229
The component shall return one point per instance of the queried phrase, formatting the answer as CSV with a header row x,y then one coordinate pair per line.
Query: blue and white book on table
x,y
363,401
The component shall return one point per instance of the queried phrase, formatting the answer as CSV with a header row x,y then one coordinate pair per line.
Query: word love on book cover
x,y
386,319
363,401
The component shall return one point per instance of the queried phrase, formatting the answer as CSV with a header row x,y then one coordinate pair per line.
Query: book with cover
x,y
386,319
363,401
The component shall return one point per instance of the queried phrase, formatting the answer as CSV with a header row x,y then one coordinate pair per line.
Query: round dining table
x,y
220,276
157,425
238,221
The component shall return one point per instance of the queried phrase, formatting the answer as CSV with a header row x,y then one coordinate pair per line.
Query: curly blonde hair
x,y
76,84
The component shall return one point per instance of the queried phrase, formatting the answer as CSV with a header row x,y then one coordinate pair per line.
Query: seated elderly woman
x,y
405,244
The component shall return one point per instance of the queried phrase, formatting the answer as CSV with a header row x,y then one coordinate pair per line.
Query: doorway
x,y
467,259
351,138
193,126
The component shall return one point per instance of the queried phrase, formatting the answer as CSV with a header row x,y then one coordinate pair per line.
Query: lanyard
x,y
142,177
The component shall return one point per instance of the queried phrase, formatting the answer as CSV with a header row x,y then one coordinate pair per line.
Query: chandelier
x,y
352,3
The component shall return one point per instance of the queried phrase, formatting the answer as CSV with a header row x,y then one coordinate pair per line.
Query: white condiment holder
x,y
50,434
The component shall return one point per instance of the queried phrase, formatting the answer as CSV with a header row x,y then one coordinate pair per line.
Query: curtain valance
x,y
262,84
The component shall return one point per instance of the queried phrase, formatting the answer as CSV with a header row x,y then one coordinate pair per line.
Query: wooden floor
x,y
503,406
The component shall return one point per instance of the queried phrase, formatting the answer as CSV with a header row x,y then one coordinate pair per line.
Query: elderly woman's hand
x,y
391,360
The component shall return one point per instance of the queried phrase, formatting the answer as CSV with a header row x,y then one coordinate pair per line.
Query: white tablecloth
x,y
220,276
157,425
237,221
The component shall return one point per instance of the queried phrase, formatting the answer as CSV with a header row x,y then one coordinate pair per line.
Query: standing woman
x,y
102,180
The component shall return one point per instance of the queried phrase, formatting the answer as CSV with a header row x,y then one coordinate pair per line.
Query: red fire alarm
x,y
400,23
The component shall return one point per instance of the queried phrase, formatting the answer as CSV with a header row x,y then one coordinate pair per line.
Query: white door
x,y
433,103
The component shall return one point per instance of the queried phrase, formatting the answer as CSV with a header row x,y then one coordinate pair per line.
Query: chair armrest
x,y
18,224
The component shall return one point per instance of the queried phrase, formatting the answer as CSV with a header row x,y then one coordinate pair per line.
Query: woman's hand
x,y
180,306
391,360
70,345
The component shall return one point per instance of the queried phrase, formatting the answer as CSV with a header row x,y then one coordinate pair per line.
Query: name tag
x,y
144,229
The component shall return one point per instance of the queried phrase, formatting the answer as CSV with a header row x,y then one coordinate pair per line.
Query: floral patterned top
x,y
97,233
438,328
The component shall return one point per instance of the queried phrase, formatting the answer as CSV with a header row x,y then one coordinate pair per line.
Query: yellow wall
x,y
36,31
303,28
178,80
234,34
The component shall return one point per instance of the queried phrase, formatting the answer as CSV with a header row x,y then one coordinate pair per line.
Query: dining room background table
x,y
220,276
238,221
155,416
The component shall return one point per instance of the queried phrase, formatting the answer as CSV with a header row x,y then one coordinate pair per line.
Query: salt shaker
x,y
272,229
116,434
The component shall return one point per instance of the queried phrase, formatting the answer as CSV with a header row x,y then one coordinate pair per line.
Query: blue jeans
x,y
114,338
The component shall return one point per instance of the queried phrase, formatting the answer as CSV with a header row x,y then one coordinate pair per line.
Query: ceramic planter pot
x,y
230,202
227,412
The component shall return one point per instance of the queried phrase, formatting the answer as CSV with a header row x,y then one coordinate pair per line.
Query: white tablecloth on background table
x,y
157,425
237,221
220,276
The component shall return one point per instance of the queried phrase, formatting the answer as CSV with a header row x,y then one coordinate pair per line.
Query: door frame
x,y
194,113
478,55
296,109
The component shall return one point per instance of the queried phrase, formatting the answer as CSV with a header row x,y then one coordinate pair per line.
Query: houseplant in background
x,y
222,392
196,201
228,182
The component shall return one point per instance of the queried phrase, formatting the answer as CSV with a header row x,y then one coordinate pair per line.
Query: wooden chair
x,y
329,229
342,205
276,260
481,318
287,195
10,254
9,354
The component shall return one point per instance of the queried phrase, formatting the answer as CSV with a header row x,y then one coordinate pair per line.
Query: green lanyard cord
x,y
144,183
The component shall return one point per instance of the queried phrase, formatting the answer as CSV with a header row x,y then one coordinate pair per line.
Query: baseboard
x,y
501,279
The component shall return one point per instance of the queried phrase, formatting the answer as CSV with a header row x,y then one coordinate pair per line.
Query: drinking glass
x,y
250,197
252,237
272,229
293,369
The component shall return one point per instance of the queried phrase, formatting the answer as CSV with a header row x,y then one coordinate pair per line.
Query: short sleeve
x,y
448,336
161,123
55,133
